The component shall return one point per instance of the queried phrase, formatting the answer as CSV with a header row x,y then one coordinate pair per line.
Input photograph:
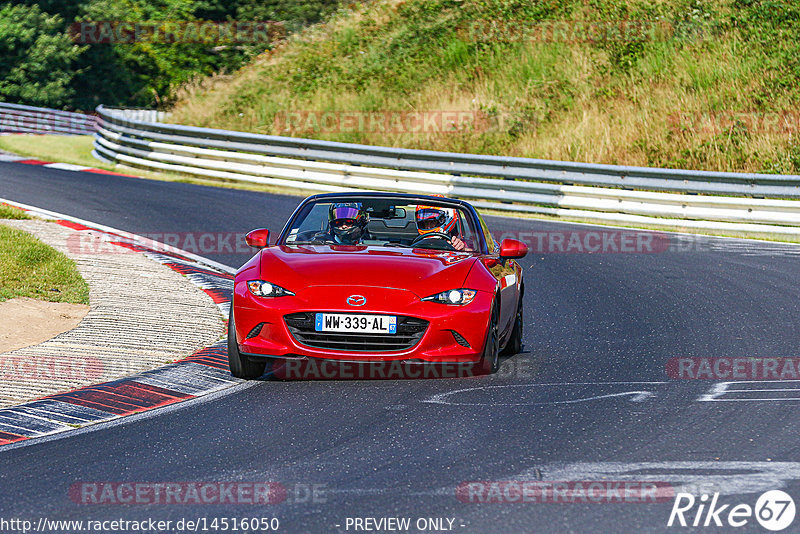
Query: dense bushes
x,y
41,65
36,57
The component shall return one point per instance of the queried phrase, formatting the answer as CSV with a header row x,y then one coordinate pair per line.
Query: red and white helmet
x,y
435,219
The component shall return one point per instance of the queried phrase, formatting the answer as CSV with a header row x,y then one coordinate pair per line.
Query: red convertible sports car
x,y
377,277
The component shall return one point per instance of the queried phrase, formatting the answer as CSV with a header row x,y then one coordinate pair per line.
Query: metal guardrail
x,y
16,118
759,203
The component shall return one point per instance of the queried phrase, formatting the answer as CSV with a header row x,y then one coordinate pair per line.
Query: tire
x,y
490,362
241,367
514,345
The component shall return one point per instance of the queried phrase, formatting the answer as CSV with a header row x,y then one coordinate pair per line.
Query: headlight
x,y
260,288
454,296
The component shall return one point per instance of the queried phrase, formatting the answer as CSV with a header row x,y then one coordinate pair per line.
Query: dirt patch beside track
x,y
25,322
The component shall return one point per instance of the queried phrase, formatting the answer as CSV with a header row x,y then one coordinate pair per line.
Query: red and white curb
x,y
202,373
10,158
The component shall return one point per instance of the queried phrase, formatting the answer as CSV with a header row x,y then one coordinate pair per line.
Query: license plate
x,y
366,324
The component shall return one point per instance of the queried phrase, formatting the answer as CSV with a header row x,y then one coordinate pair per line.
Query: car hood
x,y
421,271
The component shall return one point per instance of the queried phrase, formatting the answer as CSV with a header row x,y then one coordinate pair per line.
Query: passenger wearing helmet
x,y
435,219
347,223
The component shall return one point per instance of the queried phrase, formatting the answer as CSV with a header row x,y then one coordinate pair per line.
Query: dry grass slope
x,y
705,84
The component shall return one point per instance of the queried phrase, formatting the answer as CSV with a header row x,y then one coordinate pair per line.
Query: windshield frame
x,y
357,197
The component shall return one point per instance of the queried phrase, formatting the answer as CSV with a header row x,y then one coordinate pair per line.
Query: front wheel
x,y
241,366
490,362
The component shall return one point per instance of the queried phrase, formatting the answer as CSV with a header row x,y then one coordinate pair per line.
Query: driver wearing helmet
x,y
347,223
435,219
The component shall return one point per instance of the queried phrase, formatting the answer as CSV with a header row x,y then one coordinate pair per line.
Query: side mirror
x,y
513,249
258,238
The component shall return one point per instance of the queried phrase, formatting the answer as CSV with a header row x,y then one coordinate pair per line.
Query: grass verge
x,y
78,151
75,149
29,268
10,212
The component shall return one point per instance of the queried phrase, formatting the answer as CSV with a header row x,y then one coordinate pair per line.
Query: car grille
x,y
409,332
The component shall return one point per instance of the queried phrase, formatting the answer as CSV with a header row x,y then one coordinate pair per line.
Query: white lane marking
x,y
718,392
10,159
636,396
755,400
14,429
726,478
759,248
66,166
34,415
202,281
189,378
60,412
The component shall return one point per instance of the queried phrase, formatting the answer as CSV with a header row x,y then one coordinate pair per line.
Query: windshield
x,y
384,222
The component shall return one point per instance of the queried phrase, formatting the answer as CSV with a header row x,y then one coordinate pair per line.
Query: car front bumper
x,y
262,330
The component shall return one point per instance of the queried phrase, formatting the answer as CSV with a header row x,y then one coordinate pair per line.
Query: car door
x,y
507,275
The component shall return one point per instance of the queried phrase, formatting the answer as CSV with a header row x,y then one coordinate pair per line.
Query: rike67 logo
x,y
774,510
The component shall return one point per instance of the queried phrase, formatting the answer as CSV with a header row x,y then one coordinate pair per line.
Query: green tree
x,y
66,9
37,57
39,63
142,73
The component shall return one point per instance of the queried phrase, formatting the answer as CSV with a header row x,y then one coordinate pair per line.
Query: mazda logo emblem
x,y
356,300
